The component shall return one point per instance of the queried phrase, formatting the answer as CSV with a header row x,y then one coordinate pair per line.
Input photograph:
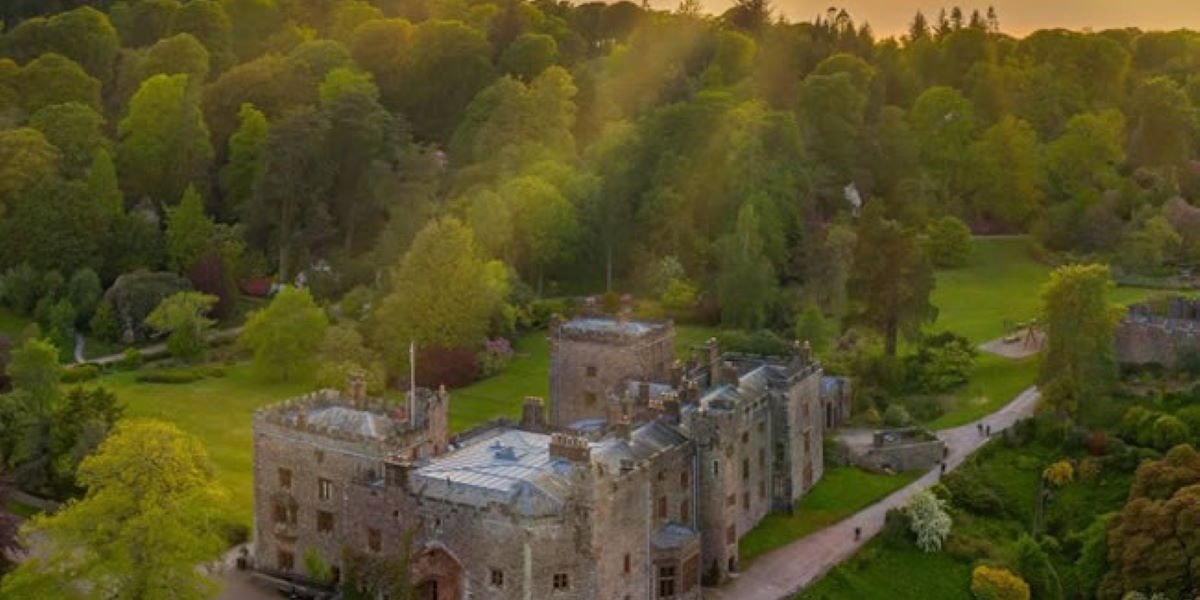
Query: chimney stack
x,y
356,388
533,414
621,428
671,408
729,373
569,447
676,374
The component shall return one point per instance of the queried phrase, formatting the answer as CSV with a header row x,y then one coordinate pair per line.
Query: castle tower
x,y
591,355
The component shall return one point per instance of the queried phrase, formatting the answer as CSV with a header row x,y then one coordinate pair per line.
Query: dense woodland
x,y
453,172
705,161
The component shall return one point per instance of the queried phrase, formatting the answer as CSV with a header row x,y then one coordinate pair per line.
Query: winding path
x,y
784,572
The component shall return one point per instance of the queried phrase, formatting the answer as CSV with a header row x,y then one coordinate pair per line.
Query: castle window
x,y
808,441
324,489
662,475
731,534
590,398
561,581
762,458
731,500
320,454
745,437
716,467
746,500
762,426
685,511
683,480
374,539
662,507
497,578
324,521
628,563
285,478
591,370
762,488
666,582
745,468
285,561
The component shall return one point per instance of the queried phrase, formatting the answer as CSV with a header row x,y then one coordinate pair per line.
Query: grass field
x,y
1001,287
841,492
218,411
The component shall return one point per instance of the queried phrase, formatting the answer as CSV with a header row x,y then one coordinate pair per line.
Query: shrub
x,y
991,583
131,359
495,357
973,494
680,294
1168,432
1059,474
929,520
763,342
950,243
541,310
923,408
20,289
896,527
896,416
871,416
80,374
942,362
452,367
355,304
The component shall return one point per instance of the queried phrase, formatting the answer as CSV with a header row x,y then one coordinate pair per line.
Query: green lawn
x,y
880,572
1002,283
1001,286
995,381
841,492
218,411
502,395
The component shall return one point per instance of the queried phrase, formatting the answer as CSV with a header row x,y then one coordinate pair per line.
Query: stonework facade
x,y
639,492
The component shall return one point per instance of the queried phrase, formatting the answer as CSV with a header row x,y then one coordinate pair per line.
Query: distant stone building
x,y
638,483
1145,338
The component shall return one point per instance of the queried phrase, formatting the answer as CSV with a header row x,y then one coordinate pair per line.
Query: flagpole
x,y
412,379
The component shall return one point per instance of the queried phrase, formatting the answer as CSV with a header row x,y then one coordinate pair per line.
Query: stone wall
x,y
584,369
1154,340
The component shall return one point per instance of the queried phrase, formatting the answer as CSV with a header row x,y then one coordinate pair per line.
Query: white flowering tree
x,y
930,522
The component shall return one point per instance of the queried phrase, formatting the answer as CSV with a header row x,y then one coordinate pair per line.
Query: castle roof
x,y
645,441
673,535
352,420
504,466
609,329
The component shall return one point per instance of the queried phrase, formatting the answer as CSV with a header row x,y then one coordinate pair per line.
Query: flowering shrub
x,y
989,583
929,520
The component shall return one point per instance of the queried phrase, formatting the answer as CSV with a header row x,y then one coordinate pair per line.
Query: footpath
x,y
782,573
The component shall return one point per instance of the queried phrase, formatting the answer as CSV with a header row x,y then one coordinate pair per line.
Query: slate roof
x,y
602,325
673,535
645,441
351,420
509,467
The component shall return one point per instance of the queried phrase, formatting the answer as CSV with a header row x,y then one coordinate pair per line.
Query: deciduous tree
x,y
164,142
162,519
184,316
285,335
1078,365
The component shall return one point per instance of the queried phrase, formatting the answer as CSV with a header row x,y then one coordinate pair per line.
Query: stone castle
x,y
636,483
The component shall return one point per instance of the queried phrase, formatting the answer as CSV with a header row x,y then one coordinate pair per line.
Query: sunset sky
x,y
1017,17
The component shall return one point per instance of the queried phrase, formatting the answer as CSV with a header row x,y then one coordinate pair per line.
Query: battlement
x,y
349,417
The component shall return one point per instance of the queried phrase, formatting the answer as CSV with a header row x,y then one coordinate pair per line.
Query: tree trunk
x,y
608,268
889,337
